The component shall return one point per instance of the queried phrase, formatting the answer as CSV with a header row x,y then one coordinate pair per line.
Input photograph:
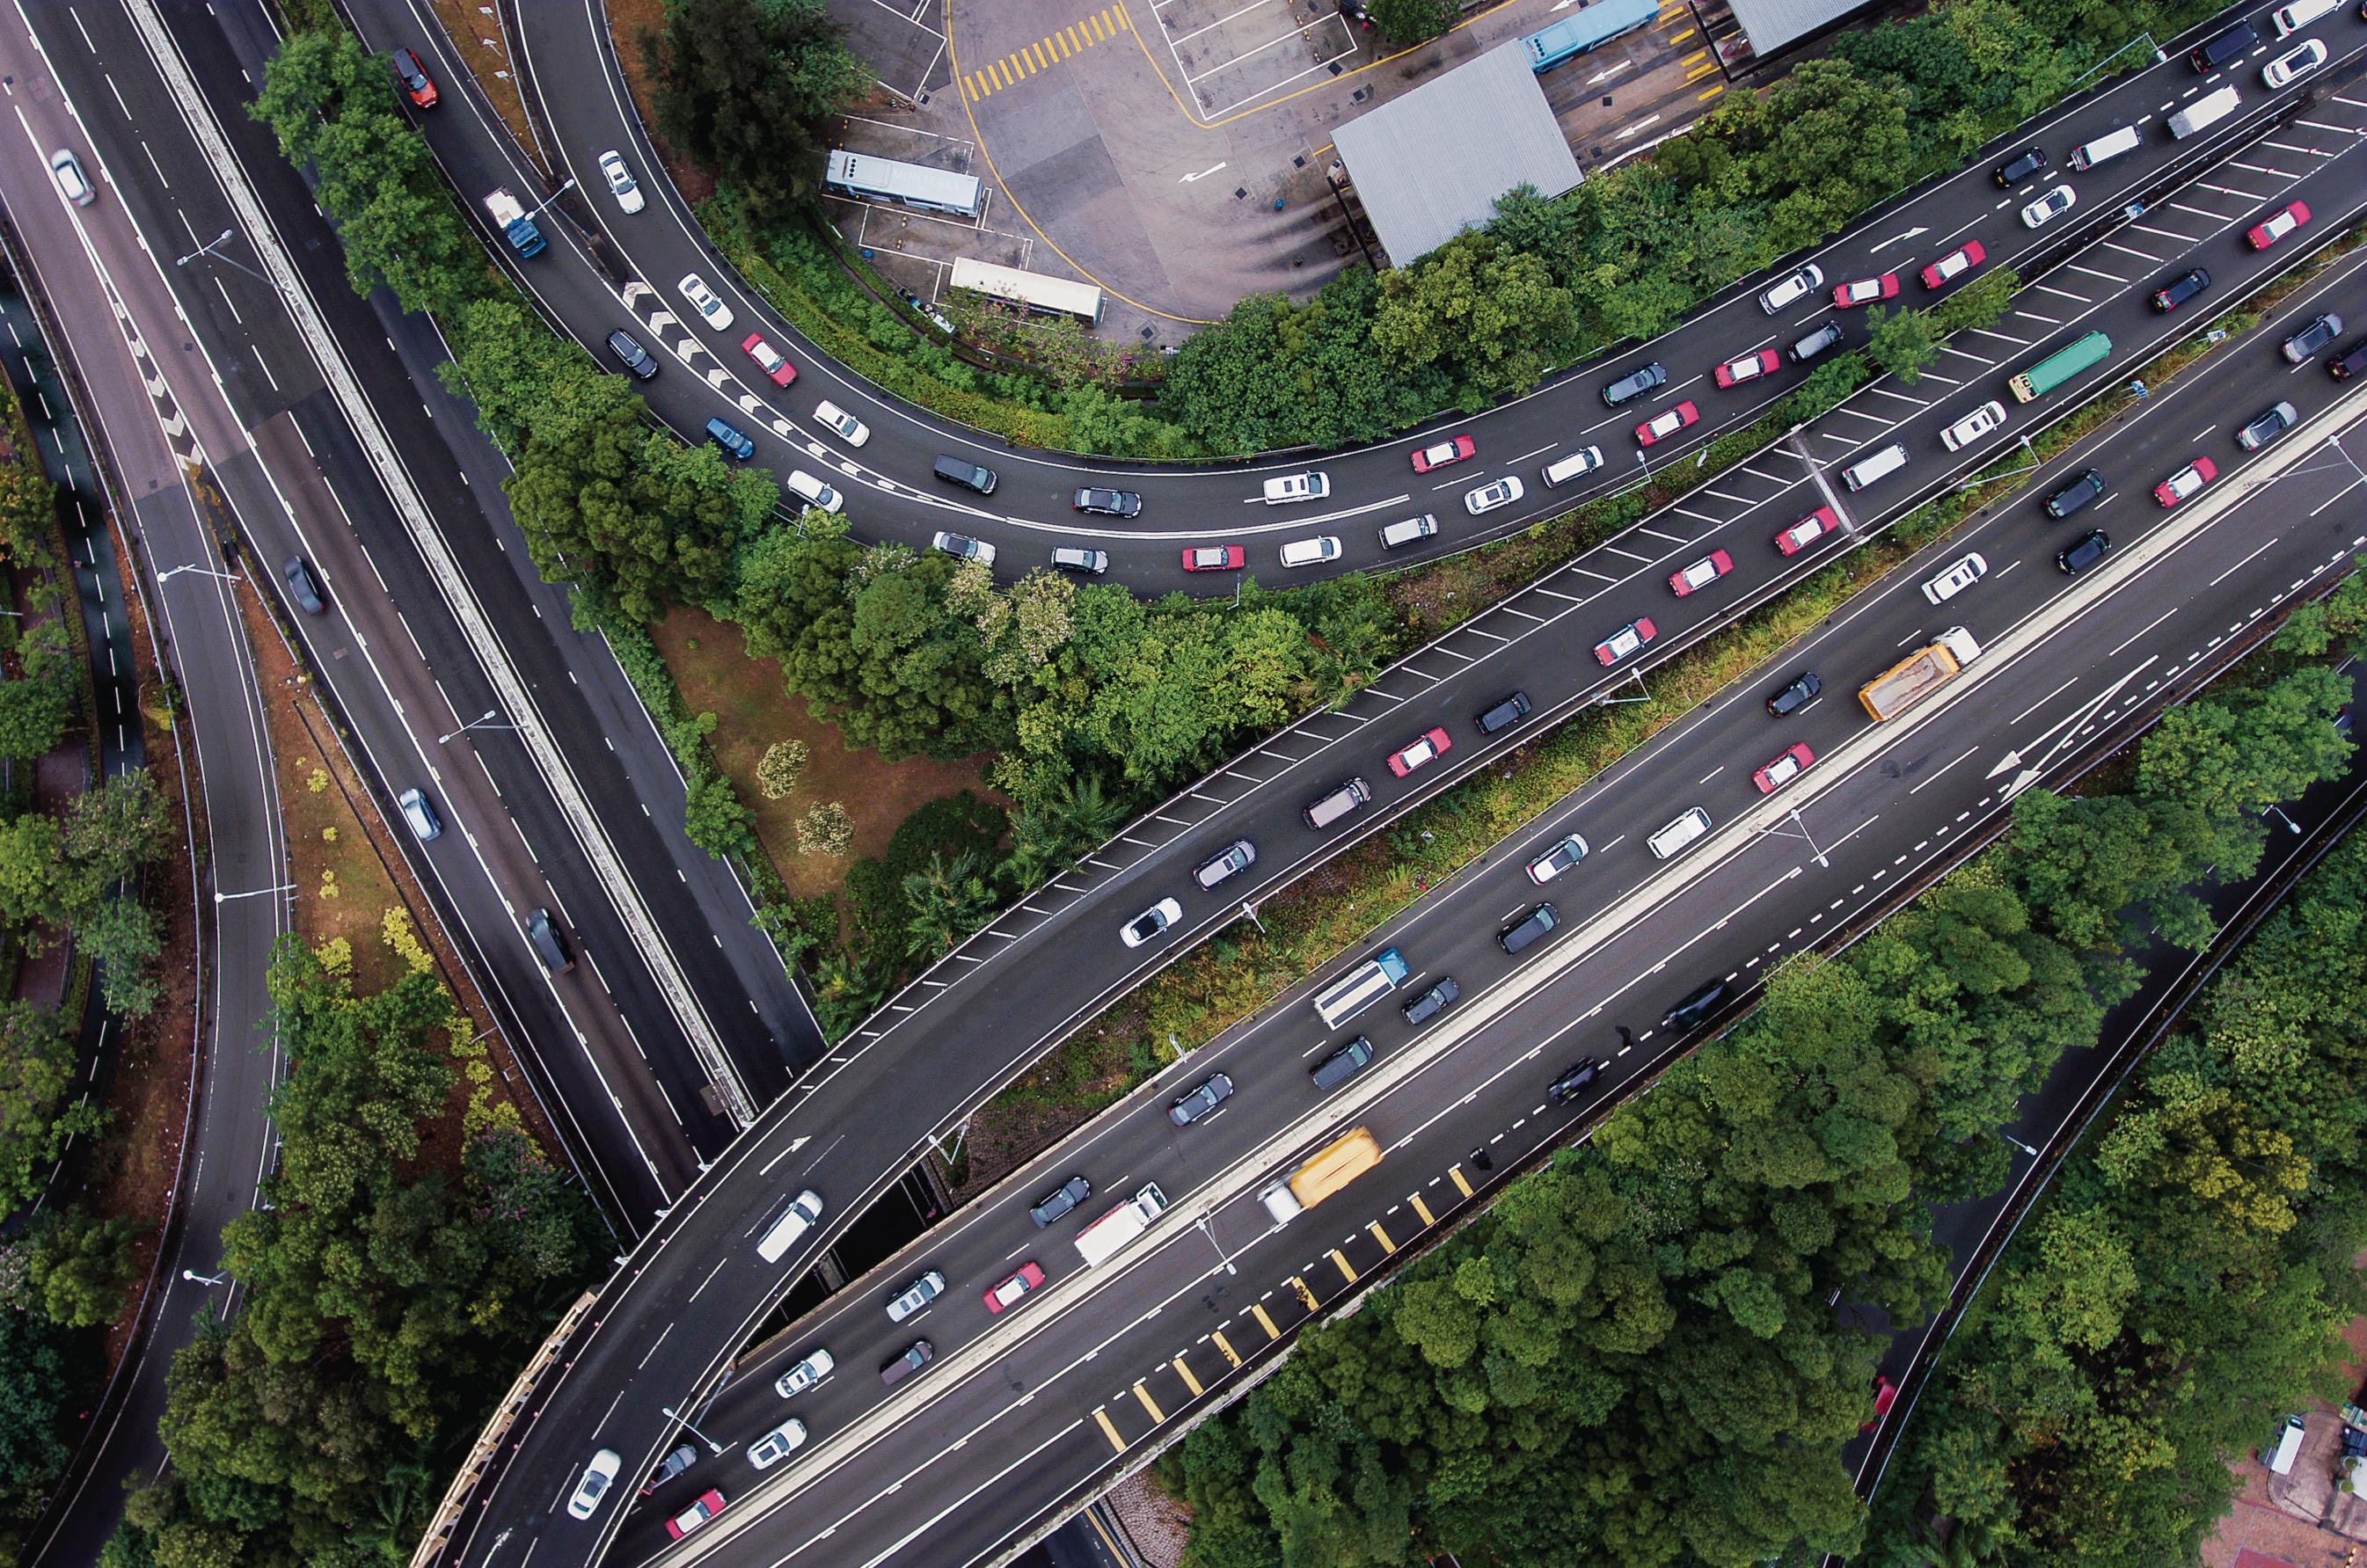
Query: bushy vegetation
x,y
391,1284
1632,1355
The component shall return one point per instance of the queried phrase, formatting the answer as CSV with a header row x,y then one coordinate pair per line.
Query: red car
x,y
417,85
1445,453
1807,531
1783,769
768,359
1661,426
2269,231
2186,482
1702,573
1749,367
697,1514
1624,641
1954,263
1029,1278
1215,558
1885,1395
1421,755
1864,291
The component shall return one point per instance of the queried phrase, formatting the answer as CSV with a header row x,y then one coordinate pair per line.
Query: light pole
x,y
2017,1142
712,1446
194,1278
1801,832
221,898
210,251
2278,813
483,721
172,571
1211,1235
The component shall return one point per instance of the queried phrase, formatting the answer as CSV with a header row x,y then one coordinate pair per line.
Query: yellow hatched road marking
x,y
1000,71
1036,52
1382,1236
1307,1295
1222,1344
1698,72
1423,1210
1185,1373
1091,28
1143,1395
1456,1171
1696,57
1705,98
1108,1429
1124,22
1676,38
1055,48
1074,43
1257,1310
1349,1274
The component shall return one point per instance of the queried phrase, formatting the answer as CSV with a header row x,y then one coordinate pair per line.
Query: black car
x,y
1815,343
1796,696
1634,384
2181,288
2319,334
2083,552
1059,1201
2351,363
1432,1002
2019,167
301,586
673,1464
2077,494
632,355
2266,426
1688,1014
1108,503
1213,1091
1503,714
1530,927
1575,1077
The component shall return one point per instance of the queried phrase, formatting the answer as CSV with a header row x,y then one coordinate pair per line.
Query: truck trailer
x,y
1919,674
1330,1168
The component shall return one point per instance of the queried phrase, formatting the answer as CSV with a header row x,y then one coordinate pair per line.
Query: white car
x,y
804,1374
712,310
967,548
777,1444
1960,576
1312,552
1150,922
1972,426
621,182
2294,64
1488,497
65,170
1790,291
851,430
2048,207
597,1476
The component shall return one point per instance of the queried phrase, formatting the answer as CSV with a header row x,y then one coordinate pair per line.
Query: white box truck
x,y
1106,1235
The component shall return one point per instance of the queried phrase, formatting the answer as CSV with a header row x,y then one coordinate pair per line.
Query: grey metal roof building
x,y
1432,164
1771,25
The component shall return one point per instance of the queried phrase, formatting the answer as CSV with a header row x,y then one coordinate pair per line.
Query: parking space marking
x,y
1217,1337
1345,1272
1382,1236
1307,1295
1143,1395
1109,1429
1257,1310
1456,1172
1423,1210
1046,52
1185,1373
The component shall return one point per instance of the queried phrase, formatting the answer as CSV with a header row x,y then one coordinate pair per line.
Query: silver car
x,y
777,1444
621,182
915,1296
66,172
1236,857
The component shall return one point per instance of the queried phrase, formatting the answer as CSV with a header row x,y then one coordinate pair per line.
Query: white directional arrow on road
x,y
1608,72
2010,760
1895,238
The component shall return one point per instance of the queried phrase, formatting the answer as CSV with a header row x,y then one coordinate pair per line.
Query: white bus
x,y
1052,295
904,185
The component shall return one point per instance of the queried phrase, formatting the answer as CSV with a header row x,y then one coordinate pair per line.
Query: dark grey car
x,y
1796,696
1059,1201
1688,1013
632,355
1432,1002
1237,856
2083,553
673,1464
1108,503
301,586
1634,384
2319,334
1575,1077
2266,426
1213,1091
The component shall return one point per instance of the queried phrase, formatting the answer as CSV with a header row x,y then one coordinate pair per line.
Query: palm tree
x,y
1085,812
948,900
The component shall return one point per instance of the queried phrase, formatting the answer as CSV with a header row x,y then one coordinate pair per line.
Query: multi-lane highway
x,y
605,269
1022,1411
667,1323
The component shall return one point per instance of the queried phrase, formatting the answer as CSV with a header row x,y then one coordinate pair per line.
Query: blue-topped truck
x,y
516,224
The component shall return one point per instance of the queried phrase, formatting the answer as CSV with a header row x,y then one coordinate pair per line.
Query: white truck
x,y
1106,1235
515,226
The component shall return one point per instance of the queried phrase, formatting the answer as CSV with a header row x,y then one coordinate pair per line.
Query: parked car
x,y
851,430
1960,574
1431,1002
2086,487
1696,1006
597,1477
1972,426
671,1465
2294,64
777,1444
2266,426
66,173
638,362
1573,1079
1076,557
1235,858
816,1365
301,586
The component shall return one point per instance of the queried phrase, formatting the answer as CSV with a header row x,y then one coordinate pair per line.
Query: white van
x,y
1561,470
1410,531
2105,148
2207,110
2288,19
1865,472
1312,552
1678,833
814,494
1285,488
804,1209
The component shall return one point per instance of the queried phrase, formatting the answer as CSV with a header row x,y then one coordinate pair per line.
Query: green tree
x,y
80,1265
1412,21
37,706
1904,342
37,1061
42,1372
749,90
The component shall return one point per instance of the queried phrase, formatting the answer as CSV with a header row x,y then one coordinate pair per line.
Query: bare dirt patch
x,y
717,674
477,39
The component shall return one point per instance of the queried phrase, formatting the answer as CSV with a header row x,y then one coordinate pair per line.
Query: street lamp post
x,y
2278,813
194,1278
483,721
712,1446
172,571
209,250
2017,1142
1211,1235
